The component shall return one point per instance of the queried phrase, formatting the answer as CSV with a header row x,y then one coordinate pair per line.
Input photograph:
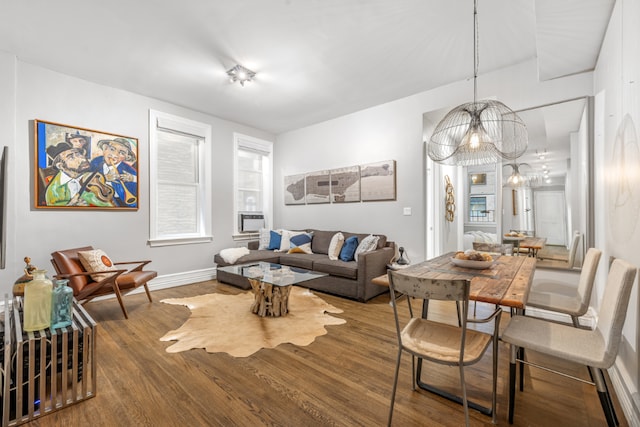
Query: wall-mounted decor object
x,y
345,184
450,201
378,181
294,190
318,187
78,168
478,179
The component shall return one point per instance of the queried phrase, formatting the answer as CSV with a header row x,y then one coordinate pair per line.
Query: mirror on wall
x,y
546,194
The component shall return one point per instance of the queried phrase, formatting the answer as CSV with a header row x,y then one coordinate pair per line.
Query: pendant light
x,y
478,132
516,179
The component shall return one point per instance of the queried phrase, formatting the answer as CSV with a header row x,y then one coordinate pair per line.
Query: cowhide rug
x,y
225,323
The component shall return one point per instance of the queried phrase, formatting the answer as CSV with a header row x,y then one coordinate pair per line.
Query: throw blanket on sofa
x,y
231,255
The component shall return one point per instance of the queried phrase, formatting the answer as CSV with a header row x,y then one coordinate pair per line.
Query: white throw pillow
x,y
265,238
368,244
95,261
335,246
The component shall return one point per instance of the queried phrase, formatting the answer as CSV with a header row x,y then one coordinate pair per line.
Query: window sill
x,y
179,241
245,237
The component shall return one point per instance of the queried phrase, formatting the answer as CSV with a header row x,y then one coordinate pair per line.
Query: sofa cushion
x,y
367,244
254,256
299,260
321,241
338,268
337,241
285,242
349,249
275,238
264,238
301,243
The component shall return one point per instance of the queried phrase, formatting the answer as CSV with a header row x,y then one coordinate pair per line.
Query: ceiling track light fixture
x,y
478,132
240,74
541,155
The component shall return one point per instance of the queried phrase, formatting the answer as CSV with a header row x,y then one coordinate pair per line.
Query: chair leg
x,y
413,372
119,296
146,288
465,404
521,357
395,386
605,397
512,382
494,398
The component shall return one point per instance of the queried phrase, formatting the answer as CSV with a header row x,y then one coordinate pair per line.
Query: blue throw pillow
x,y
274,242
349,249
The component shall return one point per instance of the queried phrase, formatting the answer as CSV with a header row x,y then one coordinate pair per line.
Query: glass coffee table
x,y
271,284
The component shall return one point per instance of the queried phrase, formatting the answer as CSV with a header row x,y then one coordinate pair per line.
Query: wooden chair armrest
x,y
139,267
86,273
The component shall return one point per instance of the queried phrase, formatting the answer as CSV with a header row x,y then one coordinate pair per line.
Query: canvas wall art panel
x,y
378,181
294,190
345,184
318,187
78,168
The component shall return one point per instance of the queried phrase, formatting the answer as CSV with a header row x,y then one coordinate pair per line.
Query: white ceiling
x,y
315,59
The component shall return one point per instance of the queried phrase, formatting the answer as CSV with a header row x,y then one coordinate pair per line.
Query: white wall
x,y
46,95
616,81
394,131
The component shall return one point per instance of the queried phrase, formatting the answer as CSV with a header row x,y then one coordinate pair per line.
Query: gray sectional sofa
x,y
350,279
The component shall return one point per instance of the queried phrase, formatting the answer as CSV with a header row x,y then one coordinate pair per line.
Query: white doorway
x,y
550,216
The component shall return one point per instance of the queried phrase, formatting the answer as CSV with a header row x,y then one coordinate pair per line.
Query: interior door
x,y
550,216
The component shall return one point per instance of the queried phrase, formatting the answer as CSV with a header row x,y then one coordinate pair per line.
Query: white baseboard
x,y
173,280
629,399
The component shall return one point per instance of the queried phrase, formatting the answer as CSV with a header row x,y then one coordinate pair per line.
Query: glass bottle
x,y
61,299
37,302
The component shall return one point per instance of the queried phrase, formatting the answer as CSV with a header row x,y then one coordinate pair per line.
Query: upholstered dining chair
x,y
87,285
573,249
562,298
596,349
440,342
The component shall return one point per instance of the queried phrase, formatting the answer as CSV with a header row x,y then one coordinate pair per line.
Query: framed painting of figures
x,y
78,168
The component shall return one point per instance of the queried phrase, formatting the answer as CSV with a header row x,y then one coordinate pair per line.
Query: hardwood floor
x,y
344,378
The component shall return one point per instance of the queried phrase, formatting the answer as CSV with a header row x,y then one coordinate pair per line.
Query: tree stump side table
x,y
270,300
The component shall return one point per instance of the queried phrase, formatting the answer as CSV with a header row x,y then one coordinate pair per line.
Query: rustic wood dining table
x,y
507,283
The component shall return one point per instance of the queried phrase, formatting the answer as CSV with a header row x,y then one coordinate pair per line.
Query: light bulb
x,y
474,140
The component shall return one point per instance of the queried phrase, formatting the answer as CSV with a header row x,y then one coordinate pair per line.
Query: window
x,y
180,180
253,176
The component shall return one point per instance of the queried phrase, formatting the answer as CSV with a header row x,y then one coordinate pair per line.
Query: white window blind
x,y
180,185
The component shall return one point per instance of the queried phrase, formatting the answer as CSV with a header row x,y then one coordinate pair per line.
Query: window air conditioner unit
x,y
252,222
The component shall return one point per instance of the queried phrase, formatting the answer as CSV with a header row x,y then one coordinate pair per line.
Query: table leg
x,y
270,300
